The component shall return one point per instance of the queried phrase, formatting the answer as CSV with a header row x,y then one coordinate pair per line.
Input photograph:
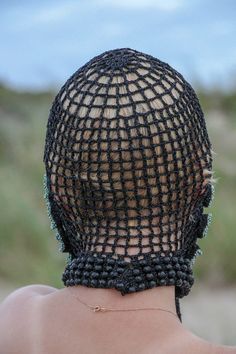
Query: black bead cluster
x,y
103,271
208,195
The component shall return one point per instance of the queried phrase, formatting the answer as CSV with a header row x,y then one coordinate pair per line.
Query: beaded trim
x,y
103,271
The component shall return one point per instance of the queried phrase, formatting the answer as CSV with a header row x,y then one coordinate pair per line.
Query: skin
x,y
42,319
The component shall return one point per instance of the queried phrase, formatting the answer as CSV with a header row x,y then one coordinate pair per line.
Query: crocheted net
x,y
128,162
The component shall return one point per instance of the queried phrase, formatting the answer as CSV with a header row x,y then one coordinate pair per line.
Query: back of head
x,y
128,172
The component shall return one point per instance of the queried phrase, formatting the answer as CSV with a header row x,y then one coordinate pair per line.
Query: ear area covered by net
x,y
127,155
56,219
198,224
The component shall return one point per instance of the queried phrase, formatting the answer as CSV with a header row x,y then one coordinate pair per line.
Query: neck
x,y
162,297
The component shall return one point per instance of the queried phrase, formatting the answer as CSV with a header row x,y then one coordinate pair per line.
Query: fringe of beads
x,y
209,217
212,195
198,252
209,220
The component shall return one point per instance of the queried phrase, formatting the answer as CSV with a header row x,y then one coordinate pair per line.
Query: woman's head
x,y
128,160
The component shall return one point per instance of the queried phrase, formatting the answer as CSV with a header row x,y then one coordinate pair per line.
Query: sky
x,y
43,42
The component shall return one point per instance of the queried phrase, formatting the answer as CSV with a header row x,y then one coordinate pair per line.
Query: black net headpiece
x,y
128,167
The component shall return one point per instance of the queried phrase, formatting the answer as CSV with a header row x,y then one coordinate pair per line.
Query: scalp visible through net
x,y
128,167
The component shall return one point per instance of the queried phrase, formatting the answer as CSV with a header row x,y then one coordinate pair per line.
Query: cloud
x,y
164,5
50,14
40,15
56,13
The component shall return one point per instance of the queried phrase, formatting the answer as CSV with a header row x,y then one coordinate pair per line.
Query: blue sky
x,y
43,42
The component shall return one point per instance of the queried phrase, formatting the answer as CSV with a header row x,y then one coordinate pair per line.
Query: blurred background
x,y
42,43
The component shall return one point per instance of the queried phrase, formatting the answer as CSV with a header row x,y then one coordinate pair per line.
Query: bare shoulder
x,y
200,345
218,349
185,341
17,298
16,314
226,350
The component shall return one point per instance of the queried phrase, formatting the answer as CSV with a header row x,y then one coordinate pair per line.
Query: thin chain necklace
x,y
99,308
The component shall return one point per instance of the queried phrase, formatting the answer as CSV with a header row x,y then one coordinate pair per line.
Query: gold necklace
x,y
99,308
